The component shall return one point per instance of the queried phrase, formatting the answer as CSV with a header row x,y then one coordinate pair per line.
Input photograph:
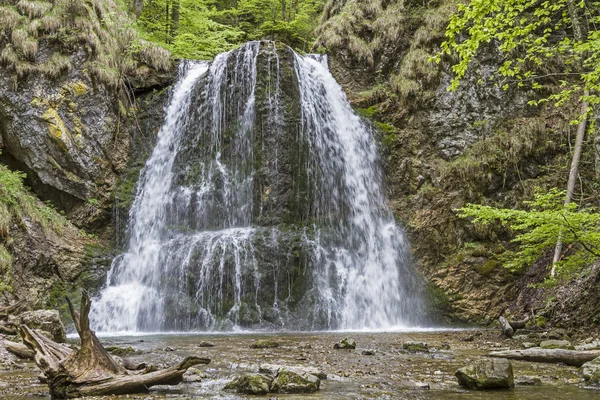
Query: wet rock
x,y
264,344
288,381
205,344
589,345
591,371
445,346
47,321
305,346
194,375
122,351
528,381
556,344
486,374
368,352
256,384
416,347
469,338
169,348
528,345
345,343
273,369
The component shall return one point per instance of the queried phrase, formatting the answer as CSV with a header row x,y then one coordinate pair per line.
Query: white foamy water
x,y
198,257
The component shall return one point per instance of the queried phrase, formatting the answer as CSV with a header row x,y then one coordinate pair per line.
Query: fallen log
x,y
19,349
575,358
8,329
90,370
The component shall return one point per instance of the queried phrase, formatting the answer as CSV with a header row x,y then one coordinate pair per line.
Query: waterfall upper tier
x,y
262,205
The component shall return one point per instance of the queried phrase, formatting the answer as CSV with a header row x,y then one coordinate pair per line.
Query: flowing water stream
x,y
261,206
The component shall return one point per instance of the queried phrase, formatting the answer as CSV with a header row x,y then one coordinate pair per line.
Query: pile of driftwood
x,y
7,327
90,370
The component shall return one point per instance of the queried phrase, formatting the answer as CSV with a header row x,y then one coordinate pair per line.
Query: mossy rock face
x,y
345,343
494,373
256,384
288,381
264,344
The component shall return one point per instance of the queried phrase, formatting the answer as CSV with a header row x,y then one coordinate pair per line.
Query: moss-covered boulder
x,y
494,373
255,384
289,381
556,344
345,343
264,344
416,347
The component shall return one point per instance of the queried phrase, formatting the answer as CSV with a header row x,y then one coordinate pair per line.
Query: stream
x,y
391,373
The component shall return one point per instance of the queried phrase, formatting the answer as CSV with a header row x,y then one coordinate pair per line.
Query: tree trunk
x,y
138,7
580,34
175,12
91,371
570,357
19,350
573,172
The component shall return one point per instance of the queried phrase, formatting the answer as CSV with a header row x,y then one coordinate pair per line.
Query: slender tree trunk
x,y
175,18
580,34
283,10
573,172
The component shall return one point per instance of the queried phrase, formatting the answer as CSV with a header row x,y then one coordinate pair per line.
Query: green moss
x,y
264,344
540,321
487,267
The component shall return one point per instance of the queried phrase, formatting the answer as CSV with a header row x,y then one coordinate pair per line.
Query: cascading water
x,y
262,206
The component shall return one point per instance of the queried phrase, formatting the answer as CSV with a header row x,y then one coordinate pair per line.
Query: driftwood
x,y
4,312
91,371
510,327
575,358
507,330
19,350
8,328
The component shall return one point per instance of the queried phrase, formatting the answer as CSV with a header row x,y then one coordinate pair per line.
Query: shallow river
x,y
390,374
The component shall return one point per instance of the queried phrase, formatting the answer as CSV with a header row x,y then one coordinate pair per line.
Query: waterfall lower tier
x,y
261,206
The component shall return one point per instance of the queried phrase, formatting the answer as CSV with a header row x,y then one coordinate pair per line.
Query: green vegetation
x,y
17,204
114,51
538,227
201,29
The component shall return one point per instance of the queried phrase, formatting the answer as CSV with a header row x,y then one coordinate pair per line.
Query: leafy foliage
x,y
540,40
201,29
538,227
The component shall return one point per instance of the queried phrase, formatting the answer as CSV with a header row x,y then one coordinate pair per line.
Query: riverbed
x,y
392,373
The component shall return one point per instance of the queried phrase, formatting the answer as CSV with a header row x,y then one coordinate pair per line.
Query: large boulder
x,y
255,384
416,347
290,381
495,373
47,321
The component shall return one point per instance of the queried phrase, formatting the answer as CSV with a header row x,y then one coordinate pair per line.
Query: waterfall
x,y
261,206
